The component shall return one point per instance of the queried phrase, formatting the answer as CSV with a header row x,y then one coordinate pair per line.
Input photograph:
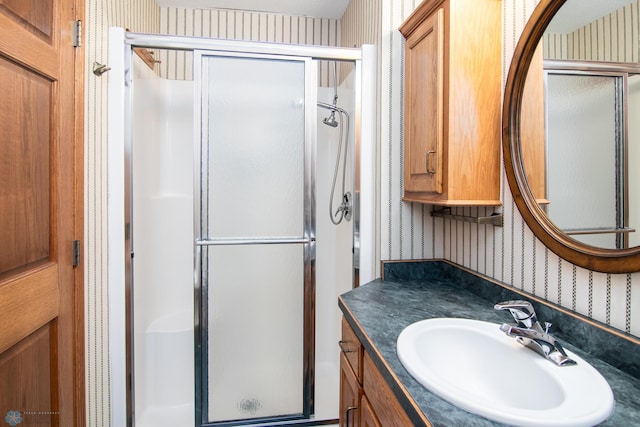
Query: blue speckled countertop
x,y
412,291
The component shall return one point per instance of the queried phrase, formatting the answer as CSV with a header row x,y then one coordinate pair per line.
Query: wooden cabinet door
x,y
350,394
367,416
424,106
351,347
41,363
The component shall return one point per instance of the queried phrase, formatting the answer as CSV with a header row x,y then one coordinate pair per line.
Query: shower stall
x,y
237,213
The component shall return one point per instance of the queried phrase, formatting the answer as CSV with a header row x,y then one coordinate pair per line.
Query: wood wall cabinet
x,y
366,400
453,73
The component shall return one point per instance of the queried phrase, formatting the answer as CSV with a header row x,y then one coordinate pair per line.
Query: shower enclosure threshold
x,y
169,416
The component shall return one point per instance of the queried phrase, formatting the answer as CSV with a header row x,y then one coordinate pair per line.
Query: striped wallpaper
x,y
361,24
510,254
137,15
246,26
611,38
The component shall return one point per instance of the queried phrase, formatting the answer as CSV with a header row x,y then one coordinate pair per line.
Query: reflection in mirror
x,y
633,158
578,170
602,47
585,157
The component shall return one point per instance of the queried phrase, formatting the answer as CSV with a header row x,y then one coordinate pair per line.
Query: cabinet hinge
x,y
77,33
75,257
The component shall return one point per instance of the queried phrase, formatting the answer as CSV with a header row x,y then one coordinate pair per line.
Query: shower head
x,y
331,120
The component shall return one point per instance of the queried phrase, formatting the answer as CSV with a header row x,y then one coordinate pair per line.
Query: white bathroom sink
x,y
475,366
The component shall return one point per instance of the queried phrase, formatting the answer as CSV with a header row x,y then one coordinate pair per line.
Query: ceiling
x,y
575,14
332,9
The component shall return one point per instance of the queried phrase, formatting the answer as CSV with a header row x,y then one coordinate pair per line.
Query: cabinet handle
x,y
431,171
345,349
346,414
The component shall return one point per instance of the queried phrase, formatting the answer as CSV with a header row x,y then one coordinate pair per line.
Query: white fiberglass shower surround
x,y
224,263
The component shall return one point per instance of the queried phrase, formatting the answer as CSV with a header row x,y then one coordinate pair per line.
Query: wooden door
x,y
41,299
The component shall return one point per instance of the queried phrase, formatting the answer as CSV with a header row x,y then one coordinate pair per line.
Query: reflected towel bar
x,y
575,231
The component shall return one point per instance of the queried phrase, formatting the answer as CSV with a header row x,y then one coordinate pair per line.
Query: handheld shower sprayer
x,y
331,120
344,211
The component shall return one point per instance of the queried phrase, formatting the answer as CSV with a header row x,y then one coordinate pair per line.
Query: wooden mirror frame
x,y
583,255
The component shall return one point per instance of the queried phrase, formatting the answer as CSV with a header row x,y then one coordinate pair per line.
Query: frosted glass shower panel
x,y
582,152
255,332
256,227
256,133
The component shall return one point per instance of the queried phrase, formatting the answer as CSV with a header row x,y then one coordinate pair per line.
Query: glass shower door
x,y
256,241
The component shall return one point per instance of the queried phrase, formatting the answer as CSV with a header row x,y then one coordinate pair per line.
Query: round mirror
x,y
571,146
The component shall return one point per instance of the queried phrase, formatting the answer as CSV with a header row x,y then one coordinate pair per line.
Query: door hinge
x,y
75,257
77,33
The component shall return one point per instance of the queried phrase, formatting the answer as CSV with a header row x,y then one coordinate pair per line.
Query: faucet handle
x,y
522,311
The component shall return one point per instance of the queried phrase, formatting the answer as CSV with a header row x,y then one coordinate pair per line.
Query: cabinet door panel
x,y
424,105
350,395
367,417
352,349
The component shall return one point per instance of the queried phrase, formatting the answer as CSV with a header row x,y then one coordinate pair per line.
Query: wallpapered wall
x,y
510,254
611,38
246,26
137,15
359,25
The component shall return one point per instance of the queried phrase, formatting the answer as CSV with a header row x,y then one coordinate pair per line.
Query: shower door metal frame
x,y
123,367
203,241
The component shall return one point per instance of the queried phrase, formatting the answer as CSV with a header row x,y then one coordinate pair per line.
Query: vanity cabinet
x,y
453,102
366,400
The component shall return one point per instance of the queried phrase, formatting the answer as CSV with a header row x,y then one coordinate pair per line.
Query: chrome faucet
x,y
530,333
